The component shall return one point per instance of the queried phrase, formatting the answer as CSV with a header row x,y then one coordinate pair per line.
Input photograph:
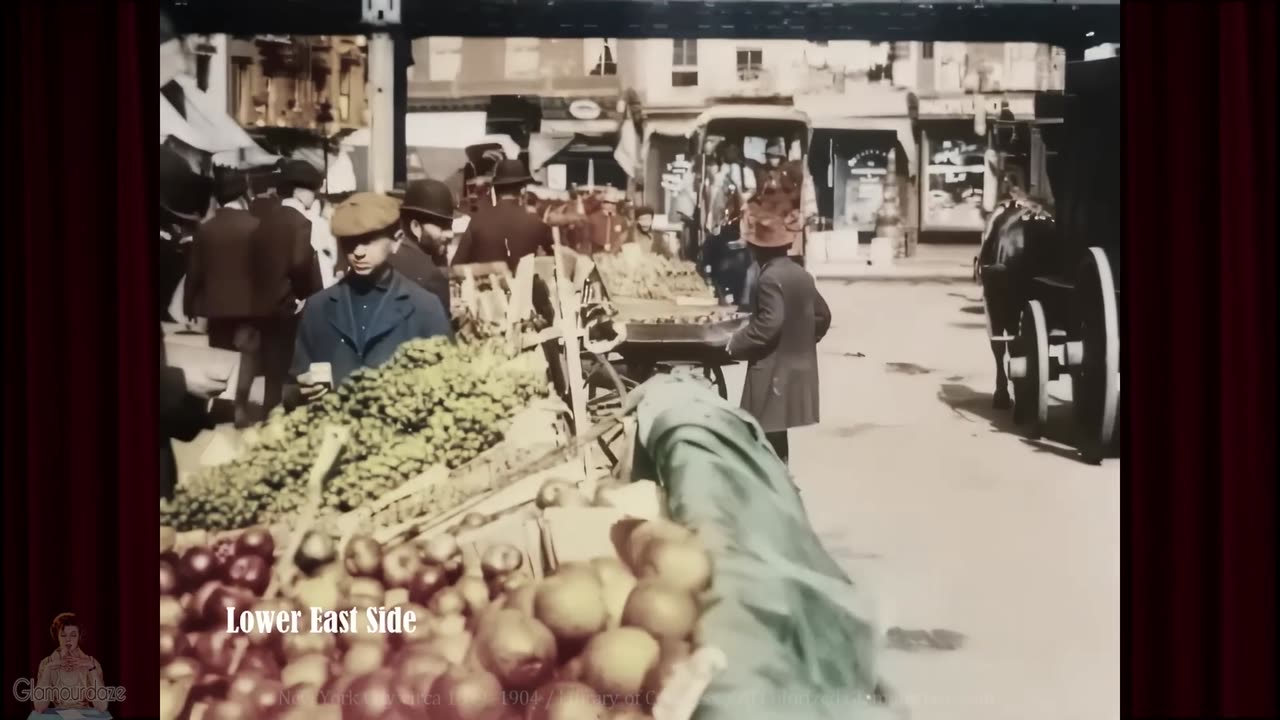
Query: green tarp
x,y
789,620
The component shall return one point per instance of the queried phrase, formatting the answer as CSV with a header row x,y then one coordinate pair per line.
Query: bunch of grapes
x,y
433,403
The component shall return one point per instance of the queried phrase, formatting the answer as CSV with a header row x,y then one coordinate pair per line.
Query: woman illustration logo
x,y
68,678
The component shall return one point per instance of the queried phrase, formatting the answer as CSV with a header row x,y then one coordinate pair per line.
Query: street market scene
x,y
649,377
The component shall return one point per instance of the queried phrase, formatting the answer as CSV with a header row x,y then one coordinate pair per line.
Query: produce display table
x,y
651,348
784,614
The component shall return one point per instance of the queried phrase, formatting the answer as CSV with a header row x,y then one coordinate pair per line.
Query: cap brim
x,y
525,180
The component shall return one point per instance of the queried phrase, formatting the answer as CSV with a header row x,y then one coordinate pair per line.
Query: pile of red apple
x,y
490,642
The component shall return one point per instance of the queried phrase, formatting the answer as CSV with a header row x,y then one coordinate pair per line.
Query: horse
x,y
1020,242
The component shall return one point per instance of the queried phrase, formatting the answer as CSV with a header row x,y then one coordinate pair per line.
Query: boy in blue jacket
x,y
361,321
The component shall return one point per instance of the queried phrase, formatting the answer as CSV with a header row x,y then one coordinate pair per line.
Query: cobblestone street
x,y
953,519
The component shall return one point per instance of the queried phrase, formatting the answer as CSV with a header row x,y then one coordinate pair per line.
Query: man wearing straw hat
x,y
788,320
505,232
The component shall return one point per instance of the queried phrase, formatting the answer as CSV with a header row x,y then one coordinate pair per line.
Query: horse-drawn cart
x,y
1050,286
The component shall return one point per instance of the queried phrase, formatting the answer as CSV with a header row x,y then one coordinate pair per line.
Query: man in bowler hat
x,y
426,219
780,341
505,232
360,321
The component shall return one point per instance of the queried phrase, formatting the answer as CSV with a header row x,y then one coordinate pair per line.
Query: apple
x,y
399,566
256,541
250,572
363,557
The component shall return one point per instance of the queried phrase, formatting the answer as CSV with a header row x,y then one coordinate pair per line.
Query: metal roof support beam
x,y
1082,23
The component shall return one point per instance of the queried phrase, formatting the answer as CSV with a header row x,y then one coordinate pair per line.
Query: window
x,y
444,58
523,58
750,64
239,81
344,93
926,50
684,63
685,53
600,56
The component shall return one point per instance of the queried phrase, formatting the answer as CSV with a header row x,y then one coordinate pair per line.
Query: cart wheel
x,y
1095,383
715,375
606,390
1029,368
606,396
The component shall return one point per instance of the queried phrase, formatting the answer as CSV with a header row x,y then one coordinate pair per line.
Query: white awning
x,y
452,130
206,127
443,129
544,146
669,127
581,127
899,126
245,158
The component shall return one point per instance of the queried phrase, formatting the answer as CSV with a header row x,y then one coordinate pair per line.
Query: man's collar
x,y
296,205
383,282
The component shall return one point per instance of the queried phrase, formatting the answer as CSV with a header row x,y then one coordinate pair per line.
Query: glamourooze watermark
x,y
27,690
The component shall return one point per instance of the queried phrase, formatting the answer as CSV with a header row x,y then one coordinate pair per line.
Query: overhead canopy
x,y
452,130
670,127
1082,24
206,125
751,112
586,127
544,146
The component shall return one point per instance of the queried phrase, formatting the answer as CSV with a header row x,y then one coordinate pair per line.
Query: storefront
x,y
849,161
953,168
665,150
574,143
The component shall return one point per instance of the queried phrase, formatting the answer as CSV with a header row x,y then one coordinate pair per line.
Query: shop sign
x,y
584,109
968,106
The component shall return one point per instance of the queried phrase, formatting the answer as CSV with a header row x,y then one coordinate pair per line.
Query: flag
x,y
627,150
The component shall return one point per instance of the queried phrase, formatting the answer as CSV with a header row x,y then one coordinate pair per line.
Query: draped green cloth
x,y
791,623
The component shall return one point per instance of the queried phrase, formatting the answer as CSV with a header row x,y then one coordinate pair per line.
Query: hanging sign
x,y
584,109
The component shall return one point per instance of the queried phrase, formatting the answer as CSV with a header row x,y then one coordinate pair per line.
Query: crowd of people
x,y
306,289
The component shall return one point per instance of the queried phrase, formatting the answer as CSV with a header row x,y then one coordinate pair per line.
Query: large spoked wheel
x,y
1029,368
1095,382
715,376
606,396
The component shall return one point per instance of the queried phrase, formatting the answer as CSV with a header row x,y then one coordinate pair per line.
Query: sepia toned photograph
x,y
667,376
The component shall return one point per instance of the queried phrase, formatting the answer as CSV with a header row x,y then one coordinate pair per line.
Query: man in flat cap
x,y
360,321
426,219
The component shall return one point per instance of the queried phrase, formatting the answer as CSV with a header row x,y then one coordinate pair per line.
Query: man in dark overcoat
x,y
426,219
780,342
218,288
361,321
285,272
505,232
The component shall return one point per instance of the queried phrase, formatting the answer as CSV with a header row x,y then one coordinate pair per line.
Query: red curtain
x,y
80,350
1200,384
80,343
